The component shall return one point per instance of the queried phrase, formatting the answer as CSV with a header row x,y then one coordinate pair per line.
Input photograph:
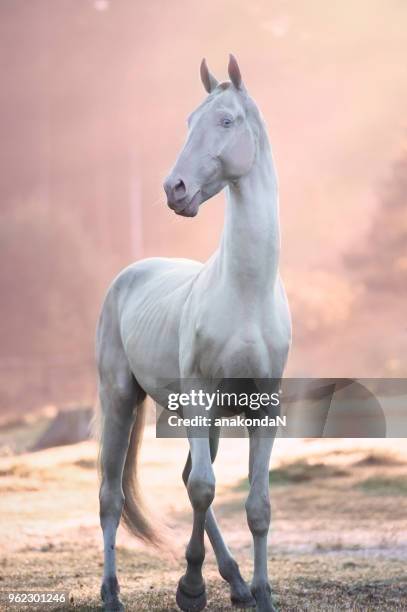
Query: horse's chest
x,y
230,338
230,352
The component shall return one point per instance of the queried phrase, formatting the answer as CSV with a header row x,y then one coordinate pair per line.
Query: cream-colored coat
x,y
228,318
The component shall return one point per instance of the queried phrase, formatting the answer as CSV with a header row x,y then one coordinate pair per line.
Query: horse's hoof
x,y
110,596
190,602
113,606
263,599
241,596
243,602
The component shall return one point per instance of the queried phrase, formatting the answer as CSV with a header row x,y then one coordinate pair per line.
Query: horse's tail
x,y
134,515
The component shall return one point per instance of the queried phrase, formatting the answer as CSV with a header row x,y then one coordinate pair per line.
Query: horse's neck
x,y
250,245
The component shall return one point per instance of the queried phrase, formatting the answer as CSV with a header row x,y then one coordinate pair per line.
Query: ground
x,y
338,539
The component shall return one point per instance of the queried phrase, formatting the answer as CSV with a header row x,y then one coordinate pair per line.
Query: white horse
x,y
181,319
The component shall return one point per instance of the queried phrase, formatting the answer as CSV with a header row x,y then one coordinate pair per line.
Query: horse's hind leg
x,y
119,394
258,516
191,592
228,568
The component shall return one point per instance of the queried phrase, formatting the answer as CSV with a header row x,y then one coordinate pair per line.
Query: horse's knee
x,y
201,491
258,513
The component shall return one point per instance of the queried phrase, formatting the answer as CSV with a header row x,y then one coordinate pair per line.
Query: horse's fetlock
x,y
228,568
260,587
195,556
110,588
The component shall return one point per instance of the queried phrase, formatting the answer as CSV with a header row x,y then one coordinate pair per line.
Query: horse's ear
x,y
208,80
234,72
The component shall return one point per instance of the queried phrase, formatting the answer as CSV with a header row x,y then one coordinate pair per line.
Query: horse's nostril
x,y
179,189
175,189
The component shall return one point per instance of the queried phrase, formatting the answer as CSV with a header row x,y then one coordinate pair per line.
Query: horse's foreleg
x,y
258,516
191,595
228,568
117,409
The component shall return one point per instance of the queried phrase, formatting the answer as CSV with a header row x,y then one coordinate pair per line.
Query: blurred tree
x,y
380,263
51,291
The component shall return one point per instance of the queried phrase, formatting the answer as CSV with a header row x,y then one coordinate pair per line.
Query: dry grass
x,y
300,582
377,459
381,484
304,471
336,543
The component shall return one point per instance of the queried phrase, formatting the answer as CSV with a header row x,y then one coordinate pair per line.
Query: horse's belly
x,y
150,320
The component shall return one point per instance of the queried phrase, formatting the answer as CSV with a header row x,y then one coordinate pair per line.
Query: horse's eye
x,y
226,122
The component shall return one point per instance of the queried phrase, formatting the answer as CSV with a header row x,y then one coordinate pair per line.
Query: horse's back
x,y
147,278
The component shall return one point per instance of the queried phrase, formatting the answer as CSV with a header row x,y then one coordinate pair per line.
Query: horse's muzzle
x,y
186,207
